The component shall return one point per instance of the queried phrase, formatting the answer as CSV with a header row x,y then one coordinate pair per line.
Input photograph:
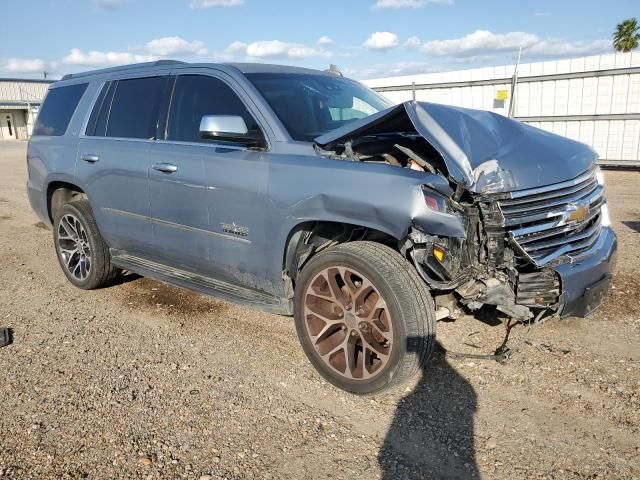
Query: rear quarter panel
x,y
53,158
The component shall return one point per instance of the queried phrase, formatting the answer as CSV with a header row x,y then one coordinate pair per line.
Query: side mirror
x,y
229,128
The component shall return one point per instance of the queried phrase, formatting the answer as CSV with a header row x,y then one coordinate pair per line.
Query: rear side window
x,y
134,108
57,110
98,108
197,95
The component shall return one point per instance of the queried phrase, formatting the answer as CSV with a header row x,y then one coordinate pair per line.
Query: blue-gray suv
x,y
304,193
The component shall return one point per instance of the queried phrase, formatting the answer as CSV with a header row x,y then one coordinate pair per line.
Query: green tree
x,y
627,35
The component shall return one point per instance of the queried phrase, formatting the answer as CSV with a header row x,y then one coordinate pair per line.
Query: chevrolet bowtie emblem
x,y
578,213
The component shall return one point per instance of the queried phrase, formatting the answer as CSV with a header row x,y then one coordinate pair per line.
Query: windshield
x,y
311,105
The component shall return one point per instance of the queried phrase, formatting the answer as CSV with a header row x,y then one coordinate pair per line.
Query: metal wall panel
x,y
594,99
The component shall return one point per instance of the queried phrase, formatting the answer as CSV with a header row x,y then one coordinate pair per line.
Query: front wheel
x,y
364,317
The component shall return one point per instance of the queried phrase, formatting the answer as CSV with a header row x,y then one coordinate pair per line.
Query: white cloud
x,y
25,65
166,46
324,40
275,49
483,43
381,41
556,47
480,42
95,58
383,70
109,4
413,43
215,3
397,4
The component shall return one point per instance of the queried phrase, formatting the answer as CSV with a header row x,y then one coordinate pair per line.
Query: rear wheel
x,y
364,317
82,253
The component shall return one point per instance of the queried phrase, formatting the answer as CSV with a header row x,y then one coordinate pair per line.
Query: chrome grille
x,y
555,222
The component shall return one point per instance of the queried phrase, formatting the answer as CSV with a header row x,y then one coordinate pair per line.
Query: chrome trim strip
x,y
551,229
208,145
180,226
514,204
554,209
556,186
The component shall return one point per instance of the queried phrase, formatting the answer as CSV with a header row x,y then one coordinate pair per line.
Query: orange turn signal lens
x,y
438,253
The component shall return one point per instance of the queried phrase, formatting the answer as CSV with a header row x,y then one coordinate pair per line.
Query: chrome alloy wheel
x,y
73,246
348,323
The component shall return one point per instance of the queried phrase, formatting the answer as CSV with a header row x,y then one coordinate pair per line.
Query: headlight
x,y
435,201
600,176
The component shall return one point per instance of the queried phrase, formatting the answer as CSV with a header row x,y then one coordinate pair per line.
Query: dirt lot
x,y
142,380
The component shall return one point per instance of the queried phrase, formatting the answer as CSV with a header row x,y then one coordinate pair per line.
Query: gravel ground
x,y
144,380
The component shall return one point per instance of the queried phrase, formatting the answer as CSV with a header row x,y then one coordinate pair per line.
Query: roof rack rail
x,y
122,68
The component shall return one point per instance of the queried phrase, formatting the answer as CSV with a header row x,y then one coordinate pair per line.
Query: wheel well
x,y
309,238
59,193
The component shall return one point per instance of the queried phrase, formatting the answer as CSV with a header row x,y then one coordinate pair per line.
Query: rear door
x,y
208,199
113,159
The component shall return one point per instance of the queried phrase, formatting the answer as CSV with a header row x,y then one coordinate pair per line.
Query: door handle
x,y
165,167
90,158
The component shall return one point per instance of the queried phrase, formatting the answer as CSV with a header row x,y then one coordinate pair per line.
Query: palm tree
x,y
626,36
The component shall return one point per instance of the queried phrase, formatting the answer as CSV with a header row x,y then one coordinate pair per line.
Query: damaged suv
x,y
304,193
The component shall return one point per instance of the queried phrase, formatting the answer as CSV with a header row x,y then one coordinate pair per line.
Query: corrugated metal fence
x,y
595,100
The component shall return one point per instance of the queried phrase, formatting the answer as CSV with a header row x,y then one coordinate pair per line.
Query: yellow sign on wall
x,y
502,95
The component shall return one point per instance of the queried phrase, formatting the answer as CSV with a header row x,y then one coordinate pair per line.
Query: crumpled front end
x,y
548,249
536,235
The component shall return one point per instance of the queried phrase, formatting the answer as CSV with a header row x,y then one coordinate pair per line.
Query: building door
x,y
8,126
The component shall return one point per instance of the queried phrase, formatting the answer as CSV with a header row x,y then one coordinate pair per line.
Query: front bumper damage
x,y
547,249
575,288
586,280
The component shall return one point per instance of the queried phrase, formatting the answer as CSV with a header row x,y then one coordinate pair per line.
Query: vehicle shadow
x,y
633,225
431,434
125,277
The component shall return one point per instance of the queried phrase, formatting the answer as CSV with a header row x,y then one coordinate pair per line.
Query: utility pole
x,y
514,84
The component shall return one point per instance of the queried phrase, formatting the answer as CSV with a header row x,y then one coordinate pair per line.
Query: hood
x,y
485,151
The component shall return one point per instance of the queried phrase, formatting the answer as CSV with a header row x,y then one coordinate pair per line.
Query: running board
x,y
204,285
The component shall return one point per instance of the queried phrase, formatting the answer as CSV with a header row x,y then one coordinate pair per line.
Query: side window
x,y
134,108
195,96
57,110
97,109
103,115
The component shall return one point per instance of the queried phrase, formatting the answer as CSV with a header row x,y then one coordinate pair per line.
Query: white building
x,y
595,100
19,103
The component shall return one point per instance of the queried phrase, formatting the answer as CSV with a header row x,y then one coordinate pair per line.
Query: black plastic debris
x,y
6,336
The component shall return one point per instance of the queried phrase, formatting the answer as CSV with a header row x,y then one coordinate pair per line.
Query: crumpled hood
x,y
487,152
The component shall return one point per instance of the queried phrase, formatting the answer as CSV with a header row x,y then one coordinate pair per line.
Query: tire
x,y
75,228
378,282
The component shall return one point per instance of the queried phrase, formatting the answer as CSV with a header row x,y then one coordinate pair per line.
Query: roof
x,y
271,68
26,80
241,67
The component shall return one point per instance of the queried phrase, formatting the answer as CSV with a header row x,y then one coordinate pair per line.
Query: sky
x,y
364,38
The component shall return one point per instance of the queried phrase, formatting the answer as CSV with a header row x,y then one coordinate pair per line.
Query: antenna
x,y
333,69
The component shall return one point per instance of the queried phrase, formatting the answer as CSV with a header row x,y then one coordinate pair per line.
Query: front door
x,y
207,199
8,127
